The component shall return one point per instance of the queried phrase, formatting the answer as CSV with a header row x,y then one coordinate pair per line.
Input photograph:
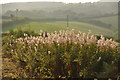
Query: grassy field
x,y
113,20
60,25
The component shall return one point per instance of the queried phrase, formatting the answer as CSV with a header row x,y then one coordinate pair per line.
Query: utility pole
x,y
67,21
17,13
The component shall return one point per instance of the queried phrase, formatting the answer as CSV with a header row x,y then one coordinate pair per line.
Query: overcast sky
x,y
65,1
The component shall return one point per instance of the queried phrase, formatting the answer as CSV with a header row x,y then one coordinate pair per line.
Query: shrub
x,y
63,54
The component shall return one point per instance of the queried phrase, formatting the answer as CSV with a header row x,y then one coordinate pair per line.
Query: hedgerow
x,y
63,54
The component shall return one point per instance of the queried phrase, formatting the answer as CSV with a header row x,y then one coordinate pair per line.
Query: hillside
x,y
113,20
100,15
58,11
50,8
60,25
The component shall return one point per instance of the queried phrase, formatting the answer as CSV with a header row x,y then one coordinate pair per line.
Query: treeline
x,y
61,15
58,14
91,9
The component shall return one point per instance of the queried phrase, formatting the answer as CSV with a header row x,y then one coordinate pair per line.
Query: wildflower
x,y
58,44
99,59
67,36
25,34
49,52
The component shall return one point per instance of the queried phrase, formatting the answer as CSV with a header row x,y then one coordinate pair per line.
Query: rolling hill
x,y
60,25
113,20
50,8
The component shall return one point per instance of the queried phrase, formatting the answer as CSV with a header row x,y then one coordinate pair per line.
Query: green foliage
x,y
12,35
20,33
60,60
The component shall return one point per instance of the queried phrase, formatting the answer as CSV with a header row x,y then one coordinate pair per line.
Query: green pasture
x,y
60,25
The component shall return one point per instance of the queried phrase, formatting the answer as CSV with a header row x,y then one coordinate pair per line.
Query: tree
x,y
12,16
17,13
